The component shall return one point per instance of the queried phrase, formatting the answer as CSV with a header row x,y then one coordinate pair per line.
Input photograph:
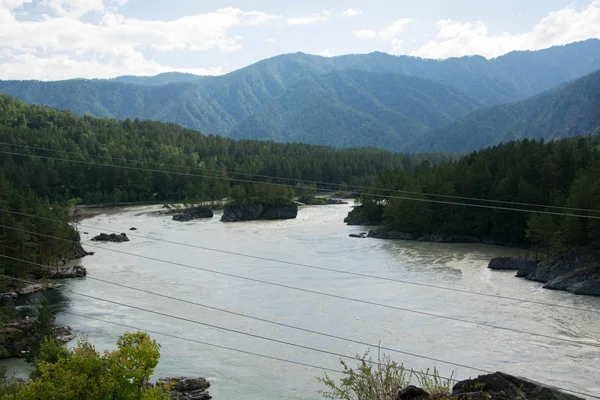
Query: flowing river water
x,y
319,237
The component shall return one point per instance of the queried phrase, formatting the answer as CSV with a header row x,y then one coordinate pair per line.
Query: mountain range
x,y
399,103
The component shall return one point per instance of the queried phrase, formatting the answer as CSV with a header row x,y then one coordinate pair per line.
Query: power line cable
x,y
360,187
471,292
456,319
286,185
248,352
263,319
222,328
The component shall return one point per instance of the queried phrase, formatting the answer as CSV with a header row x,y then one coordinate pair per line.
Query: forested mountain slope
x,y
566,111
244,98
356,108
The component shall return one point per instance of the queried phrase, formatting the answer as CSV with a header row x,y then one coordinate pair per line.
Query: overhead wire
x,y
423,200
358,187
218,327
292,263
223,310
340,297
252,335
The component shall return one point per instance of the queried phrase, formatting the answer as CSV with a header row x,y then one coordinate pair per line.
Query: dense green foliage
x,y
43,329
567,111
563,173
82,373
160,147
356,108
300,97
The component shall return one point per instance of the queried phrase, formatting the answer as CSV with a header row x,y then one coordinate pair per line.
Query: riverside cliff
x,y
575,272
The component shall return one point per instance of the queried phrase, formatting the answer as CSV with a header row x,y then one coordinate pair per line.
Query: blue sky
x,y
60,39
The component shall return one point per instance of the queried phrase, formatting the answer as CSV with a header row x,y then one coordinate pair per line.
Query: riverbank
x,y
576,272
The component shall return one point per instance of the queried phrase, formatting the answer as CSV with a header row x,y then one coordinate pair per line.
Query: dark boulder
x,y
133,228
385,234
330,201
413,393
361,235
184,388
258,211
194,213
501,386
511,263
113,237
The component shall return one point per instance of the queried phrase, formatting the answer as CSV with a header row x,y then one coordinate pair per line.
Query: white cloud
x,y
61,45
317,17
352,12
455,39
325,53
391,34
271,40
365,34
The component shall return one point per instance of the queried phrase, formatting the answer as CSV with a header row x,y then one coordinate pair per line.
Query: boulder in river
x,y
113,237
133,228
510,263
257,211
194,213
385,234
501,386
184,388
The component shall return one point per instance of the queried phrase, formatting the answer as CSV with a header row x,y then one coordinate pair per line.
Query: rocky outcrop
x,y
575,272
184,388
77,252
358,216
14,338
501,386
257,211
113,237
385,234
510,263
74,271
36,287
361,235
194,213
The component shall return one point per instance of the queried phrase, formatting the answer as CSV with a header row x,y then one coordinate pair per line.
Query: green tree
x,y
42,329
83,373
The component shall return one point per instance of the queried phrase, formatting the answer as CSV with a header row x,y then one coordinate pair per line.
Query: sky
x,y
63,39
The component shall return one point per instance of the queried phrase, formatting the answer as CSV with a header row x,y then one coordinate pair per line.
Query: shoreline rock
x,y
575,272
113,237
186,388
258,211
194,213
434,237
500,386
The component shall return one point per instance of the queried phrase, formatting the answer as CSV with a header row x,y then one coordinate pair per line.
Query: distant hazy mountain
x,y
570,110
157,80
305,98
356,108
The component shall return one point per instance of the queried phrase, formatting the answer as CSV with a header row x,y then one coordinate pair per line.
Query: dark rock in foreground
x,y
184,388
575,272
113,237
501,386
257,211
194,213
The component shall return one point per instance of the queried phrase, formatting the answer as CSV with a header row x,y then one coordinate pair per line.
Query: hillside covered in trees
x,y
567,111
273,99
563,173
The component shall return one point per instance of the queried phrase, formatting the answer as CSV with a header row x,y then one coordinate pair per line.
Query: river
x,y
319,237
